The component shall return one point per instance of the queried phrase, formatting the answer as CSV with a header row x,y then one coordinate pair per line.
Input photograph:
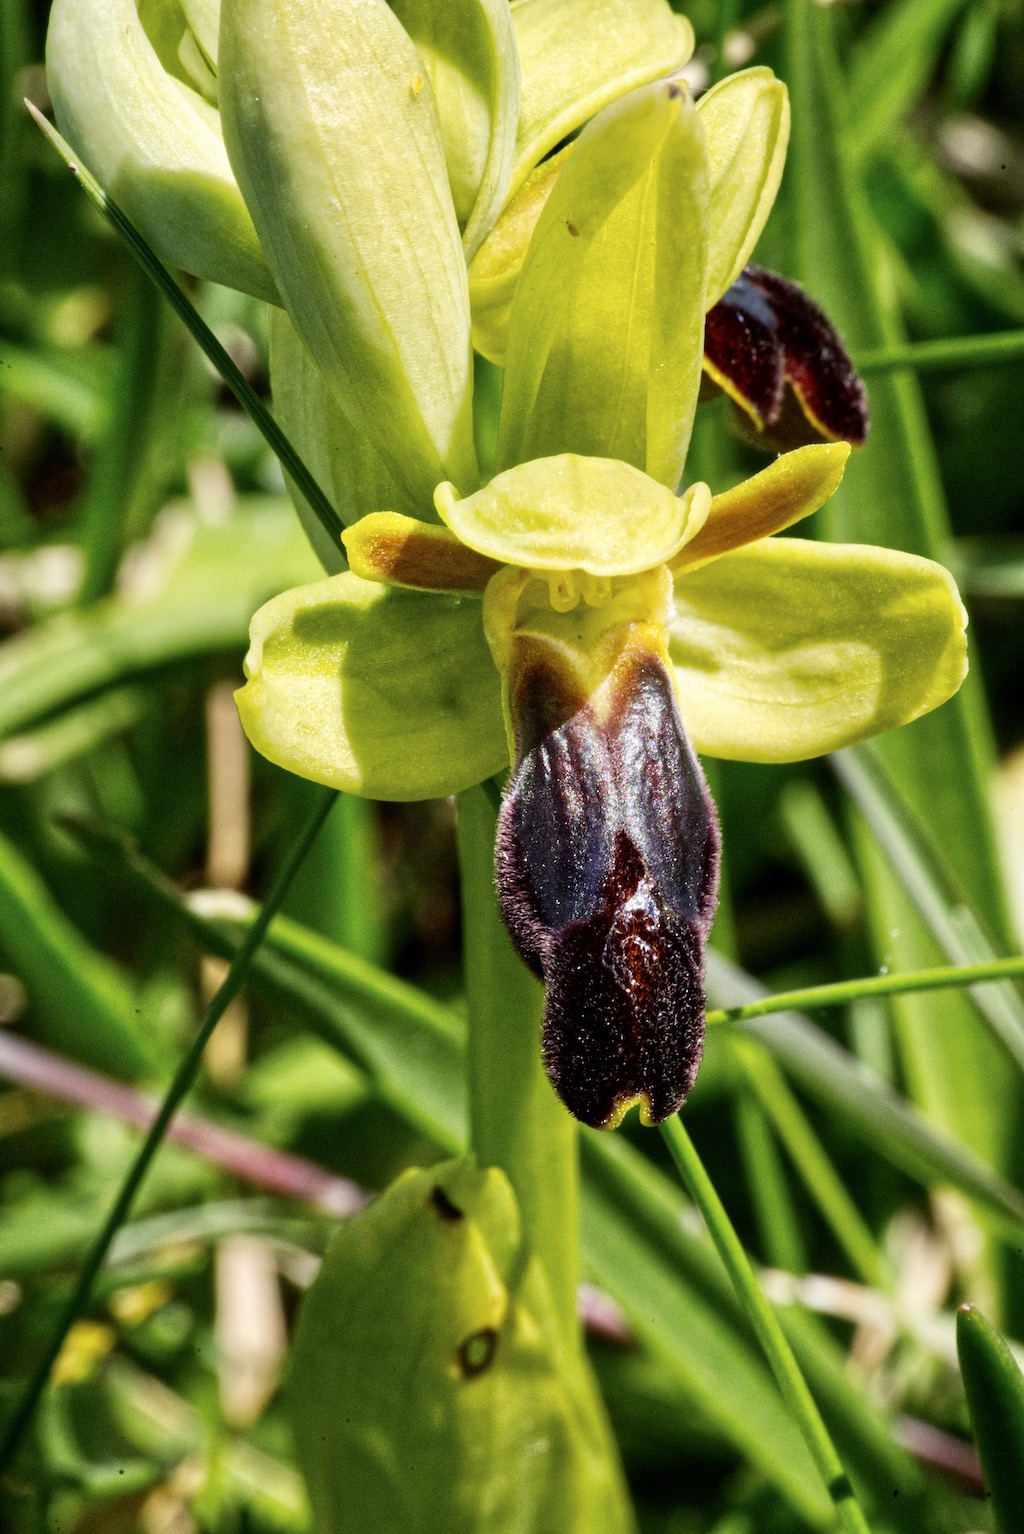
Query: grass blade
x,y
995,1396
180,1085
766,1326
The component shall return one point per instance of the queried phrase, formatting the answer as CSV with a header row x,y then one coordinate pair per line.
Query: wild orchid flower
x,y
574,617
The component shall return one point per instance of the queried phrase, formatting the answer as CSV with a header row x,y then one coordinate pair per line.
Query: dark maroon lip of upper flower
x,y
607,866
776,352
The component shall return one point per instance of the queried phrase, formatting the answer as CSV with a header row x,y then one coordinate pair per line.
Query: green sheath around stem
x,y
516,1121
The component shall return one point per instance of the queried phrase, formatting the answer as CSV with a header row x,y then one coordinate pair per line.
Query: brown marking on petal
x,y
793,487
386,546
477,1353
607,864
542,696
449,1212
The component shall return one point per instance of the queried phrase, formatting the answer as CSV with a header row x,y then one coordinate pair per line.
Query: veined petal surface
x,y
746,125
575,513
578,55
606,329
385,693
153,143
469,50
788,649
333,131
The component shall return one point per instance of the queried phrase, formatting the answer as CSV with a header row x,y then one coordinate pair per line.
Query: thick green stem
x,y
516,1121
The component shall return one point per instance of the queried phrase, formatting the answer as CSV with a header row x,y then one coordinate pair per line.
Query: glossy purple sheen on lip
x,y
607,865
765,334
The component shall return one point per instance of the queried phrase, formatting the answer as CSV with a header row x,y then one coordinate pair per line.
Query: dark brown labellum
x,y
774,350
607,862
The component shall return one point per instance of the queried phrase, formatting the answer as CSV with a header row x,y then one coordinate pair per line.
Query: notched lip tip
x,y
624,1105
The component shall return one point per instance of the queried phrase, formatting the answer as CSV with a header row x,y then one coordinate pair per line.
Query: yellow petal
x,y
495,269
788,649
791,488
574,513
606,328
746,127
385,693
578,55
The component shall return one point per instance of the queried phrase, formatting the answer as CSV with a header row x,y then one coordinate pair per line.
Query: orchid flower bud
x,y
779,359
468,48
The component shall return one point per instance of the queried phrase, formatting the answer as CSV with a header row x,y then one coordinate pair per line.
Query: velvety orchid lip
x,y
777,355
607,866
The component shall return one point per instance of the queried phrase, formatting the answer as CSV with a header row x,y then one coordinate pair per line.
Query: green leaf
x,y
79,1000
636,1245
333,132
381,692
576,56
787,649
918,866
843,1085
499,1425
189,591
891,494
154,144
995,1396
469,50
891,65
606,329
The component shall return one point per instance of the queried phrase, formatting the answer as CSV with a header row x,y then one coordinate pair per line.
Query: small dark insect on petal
x,y
607,862
779,357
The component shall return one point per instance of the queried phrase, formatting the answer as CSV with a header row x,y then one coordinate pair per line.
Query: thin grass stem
x,y
949,352
766,1325
840,992
187,312
182,1081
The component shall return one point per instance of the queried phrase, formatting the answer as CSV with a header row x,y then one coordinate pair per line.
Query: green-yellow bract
x,y
430,1387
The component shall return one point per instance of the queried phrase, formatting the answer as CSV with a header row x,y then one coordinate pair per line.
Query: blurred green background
x,y
142,521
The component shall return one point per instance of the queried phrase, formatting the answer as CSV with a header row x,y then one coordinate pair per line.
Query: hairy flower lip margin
x,y
778,357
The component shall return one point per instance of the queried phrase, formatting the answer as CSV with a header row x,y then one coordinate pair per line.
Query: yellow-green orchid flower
x,y
577,619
